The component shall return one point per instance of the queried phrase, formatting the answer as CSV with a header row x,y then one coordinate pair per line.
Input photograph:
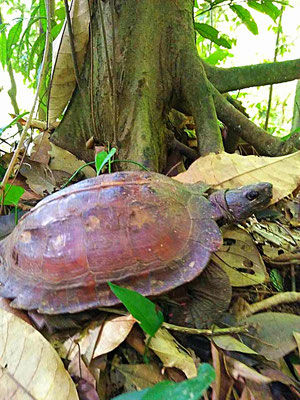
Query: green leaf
x,y
3,48
266,7
212,34
276,280
35,50
217,56
133,395
189,389
44,15
26,33
13,122
56,30
13,37
140,307
60,13
245,17
102,158
12,194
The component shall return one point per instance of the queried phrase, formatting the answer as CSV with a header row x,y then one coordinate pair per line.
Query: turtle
x,y
141,230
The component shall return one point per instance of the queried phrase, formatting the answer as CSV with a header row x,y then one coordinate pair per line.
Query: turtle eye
x,y
252,195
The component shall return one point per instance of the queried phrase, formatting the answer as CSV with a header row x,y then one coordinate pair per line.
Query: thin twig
x,y
286,297
192,331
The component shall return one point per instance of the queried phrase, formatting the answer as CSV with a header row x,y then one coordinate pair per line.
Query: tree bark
x,y
143,62
154,66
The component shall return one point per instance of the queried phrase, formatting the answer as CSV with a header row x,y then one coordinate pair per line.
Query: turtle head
x,y
238,204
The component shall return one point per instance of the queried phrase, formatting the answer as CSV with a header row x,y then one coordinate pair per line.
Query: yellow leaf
x,y
171,353
30,367
233,170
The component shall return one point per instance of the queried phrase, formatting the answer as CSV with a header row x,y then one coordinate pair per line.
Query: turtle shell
x,y
140,230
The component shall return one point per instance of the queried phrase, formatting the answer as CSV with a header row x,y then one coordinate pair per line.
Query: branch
x,y
280,298
263,142
12,92
227,79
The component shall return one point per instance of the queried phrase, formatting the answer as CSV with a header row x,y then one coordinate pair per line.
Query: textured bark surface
x,y
142,63
156,67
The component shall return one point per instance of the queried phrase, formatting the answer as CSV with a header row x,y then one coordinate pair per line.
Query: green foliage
x,y
22,41
13,122
212,34
12,194
217,56
140,307
13,37
210,15
189,389
266,7
245,17
276,280
103,158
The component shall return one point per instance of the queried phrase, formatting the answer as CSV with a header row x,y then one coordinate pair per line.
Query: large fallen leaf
x,y
233,170
229,343
99,338
238,370
274,334
114,332
30,367
63,160
63,79
171,353
240,259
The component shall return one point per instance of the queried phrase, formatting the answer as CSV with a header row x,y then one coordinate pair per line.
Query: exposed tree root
x,y
264,143
197,97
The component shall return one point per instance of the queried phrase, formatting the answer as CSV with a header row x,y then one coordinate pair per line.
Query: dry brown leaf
x,y
233,170
222,385
99,338
239,370
63,79
171,353
39,177
114,332
140,375
63,160
41,148
30,367
240,259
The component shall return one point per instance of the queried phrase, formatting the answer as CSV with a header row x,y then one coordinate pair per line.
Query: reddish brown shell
x,y
143,231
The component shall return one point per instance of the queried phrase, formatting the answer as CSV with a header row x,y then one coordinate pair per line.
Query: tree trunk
x,y
152,66
142,63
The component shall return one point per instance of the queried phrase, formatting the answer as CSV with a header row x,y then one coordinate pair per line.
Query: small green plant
x,y
101,159
142,309
12,194
189,389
